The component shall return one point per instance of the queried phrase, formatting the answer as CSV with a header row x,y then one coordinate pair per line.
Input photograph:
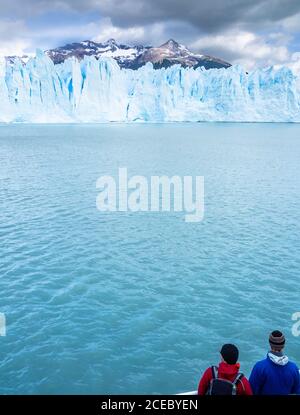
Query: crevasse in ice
x,y
99,91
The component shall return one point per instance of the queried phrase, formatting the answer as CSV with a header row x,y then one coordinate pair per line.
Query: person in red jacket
x,y
228,370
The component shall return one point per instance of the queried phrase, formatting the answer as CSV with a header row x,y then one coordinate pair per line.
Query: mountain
x,y
24,59
172,52
133,57
123,54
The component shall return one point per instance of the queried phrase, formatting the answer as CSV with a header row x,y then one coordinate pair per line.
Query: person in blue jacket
x,y
275,375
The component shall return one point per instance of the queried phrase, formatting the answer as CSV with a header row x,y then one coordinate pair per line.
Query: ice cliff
x,y
99,91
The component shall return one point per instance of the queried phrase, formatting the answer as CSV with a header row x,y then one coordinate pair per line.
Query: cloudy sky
x,y
249,32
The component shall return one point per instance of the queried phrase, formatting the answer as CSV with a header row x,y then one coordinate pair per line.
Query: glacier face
x,y
99,91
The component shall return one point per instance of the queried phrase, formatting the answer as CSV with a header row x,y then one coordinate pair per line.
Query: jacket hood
x,y
227,371
278,358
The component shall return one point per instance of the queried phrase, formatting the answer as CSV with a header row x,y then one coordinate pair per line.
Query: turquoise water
x,y
141,302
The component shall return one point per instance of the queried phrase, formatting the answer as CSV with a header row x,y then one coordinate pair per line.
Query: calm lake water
x,y
141,302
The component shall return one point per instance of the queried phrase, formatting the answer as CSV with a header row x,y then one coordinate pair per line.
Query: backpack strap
x,y
214,371
238,379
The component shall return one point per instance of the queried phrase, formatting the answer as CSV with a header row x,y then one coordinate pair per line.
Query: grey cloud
x,y
154,21
208,16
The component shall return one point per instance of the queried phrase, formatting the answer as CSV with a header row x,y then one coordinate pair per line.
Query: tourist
x,y
226,378
275,375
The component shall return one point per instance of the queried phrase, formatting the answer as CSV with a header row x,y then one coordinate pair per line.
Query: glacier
x,y
94,90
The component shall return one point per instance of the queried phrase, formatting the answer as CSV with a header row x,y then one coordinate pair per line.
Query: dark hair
x,y
230,353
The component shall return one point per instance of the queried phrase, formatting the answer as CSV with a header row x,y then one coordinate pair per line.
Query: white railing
x,y
188,393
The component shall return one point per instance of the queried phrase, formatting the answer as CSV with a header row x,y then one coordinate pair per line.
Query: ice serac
x,y
6,112
100,91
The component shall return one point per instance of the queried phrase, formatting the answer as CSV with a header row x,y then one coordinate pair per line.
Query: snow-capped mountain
x,y
24,58
133,57
123,54
172,52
